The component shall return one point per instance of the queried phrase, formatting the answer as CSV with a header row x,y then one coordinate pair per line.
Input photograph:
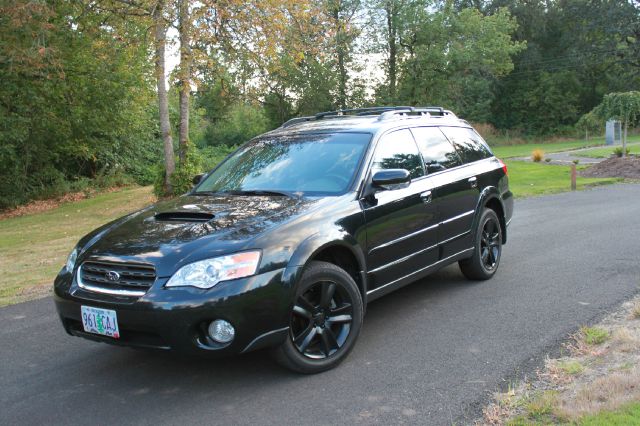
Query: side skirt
x,y
420,273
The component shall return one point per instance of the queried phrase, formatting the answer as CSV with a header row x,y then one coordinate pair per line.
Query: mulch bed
x,y
617,167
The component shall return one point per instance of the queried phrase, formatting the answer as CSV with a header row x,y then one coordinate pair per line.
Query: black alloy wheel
x,y
490,244
485,259
321,320
325,320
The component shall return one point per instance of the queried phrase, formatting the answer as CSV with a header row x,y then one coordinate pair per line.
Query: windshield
x,y
313,164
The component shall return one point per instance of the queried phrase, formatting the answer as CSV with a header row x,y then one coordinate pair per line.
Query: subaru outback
x,y
284,243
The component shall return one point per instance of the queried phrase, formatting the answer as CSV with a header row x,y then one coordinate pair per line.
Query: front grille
x,y
128,279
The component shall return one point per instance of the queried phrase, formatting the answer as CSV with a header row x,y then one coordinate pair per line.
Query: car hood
x,y
189,228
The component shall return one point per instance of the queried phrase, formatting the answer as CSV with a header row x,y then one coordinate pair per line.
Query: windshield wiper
x,y
250,192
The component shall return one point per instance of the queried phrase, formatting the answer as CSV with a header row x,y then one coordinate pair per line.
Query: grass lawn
x,y
524,150
529,179
606,152
626,416
34,247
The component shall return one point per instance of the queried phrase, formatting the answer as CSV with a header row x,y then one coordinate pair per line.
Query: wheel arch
x,y
490,198
341,250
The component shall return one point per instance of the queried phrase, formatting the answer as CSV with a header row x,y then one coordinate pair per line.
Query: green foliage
x,y
452,57
75,99
241,123
627,415
618,151
213,155
594,335
620,106
577,51
590,122
182,178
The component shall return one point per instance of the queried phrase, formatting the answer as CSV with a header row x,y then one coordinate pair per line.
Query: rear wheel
x,y
485,260
325,320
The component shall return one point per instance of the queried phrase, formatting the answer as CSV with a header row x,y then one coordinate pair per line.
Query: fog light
x,y
221,331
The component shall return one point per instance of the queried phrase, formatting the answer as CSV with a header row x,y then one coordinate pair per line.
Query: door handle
x,y
473,182
426,197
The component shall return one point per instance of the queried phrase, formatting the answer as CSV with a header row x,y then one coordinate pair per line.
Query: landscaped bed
x,y
614,167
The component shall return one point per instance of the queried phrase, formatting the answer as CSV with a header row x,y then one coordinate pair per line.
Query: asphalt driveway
x,y
430,353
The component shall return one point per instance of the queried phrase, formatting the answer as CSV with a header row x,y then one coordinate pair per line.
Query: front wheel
x,y
484,262
325,321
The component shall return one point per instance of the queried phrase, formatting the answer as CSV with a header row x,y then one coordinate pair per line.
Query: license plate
x,y
100,321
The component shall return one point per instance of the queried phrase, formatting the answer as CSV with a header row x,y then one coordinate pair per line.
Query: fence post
x,y
573,177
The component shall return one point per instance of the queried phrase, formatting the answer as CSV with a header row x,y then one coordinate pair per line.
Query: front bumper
x,y
176,318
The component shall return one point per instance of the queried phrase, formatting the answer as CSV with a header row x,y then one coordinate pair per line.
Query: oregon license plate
x,y
100,321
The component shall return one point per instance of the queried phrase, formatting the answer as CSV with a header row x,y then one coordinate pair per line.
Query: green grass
x,y
525,149
34,247
629,415
530,179
594,335
571,367
606,152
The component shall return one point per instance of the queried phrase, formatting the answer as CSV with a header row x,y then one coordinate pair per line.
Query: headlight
x,y
209,272
71,260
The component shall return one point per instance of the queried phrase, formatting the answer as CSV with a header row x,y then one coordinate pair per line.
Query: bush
x,y
242,123
537,155
617,151
182,178
213,155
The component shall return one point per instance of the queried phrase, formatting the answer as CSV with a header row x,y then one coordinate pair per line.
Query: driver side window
x,y
398,150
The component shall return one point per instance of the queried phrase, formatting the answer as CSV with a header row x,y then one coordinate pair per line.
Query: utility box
x,y
613,133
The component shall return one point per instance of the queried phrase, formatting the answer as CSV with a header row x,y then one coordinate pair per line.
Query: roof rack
x,y
384,112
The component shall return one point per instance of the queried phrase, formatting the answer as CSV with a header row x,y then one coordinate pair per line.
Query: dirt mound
x,y
628,168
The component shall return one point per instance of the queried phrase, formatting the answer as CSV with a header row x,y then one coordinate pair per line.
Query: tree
x,y
624,107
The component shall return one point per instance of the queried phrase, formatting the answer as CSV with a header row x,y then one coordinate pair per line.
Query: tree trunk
x,y
160,38
624,138
393,49
185,77
341,53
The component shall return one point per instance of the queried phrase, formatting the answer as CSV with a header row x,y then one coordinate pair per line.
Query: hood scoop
x,y
184,216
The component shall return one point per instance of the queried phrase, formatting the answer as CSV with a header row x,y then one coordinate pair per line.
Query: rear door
x,y
460,194
401,222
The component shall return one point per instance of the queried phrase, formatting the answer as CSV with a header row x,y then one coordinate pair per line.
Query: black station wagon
x,y
283,244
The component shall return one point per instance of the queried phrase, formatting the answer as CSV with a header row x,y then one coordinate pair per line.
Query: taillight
x,y
504,166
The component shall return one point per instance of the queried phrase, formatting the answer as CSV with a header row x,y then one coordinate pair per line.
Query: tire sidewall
x,y
487,215
321,271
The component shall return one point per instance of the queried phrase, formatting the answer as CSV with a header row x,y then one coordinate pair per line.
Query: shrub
x,y
182,177
242,123
617,151
213,155
537,155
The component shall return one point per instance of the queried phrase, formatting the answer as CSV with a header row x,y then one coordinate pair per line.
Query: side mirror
x,y
197,178
390,177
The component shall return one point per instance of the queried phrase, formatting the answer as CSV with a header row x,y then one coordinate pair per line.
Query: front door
x,y
401,222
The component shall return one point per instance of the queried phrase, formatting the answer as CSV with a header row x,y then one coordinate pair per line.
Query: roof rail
x,y
385,113
419,111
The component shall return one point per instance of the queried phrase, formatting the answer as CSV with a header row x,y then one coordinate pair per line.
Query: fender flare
x,y
317,242
490,193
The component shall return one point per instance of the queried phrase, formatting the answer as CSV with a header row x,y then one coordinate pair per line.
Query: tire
x,y
325,321
485,260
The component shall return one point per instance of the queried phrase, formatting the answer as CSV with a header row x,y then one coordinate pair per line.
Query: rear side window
x,y
398,150
438,153
468,143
